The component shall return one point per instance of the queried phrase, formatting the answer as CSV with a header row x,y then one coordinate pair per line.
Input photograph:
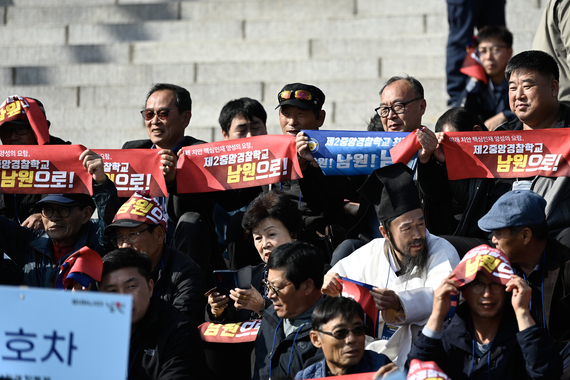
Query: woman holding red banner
x,y
272,219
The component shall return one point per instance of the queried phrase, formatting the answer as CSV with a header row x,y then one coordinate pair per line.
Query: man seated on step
x,y
404,267
190,226
23,122
165,343
320,198
239,118
533,98
294,280
67,227
140,224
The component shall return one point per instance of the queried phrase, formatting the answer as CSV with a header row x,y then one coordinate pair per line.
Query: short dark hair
x,y
183,99
375,123
247,107
333,307
416,85
301,261
462,119
125,258
500,33
539,231
536,60
273,204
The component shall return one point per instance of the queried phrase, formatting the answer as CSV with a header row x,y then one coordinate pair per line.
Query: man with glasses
x,y
490,101
21,127
140,224
68,227
338,329
402,104
294,281
190,225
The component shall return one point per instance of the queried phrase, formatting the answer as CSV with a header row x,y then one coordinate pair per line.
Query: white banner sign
x,y
54,335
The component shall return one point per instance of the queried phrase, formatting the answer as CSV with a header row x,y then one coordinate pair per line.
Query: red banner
x,y
360,292
34,169
354,376
236,164
231,332
134,170
504,154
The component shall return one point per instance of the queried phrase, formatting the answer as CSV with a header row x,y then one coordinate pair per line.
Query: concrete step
x,y
105,14
391,7
351,48
220,51
102,75
293,10
19,36
287,72
156,31
64,55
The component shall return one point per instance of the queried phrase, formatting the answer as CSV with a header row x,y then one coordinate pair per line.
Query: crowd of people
x,y
483,293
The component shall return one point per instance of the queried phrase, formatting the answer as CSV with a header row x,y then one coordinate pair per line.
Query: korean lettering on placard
x,y
248,165
118,172
360,160
10,110
518,158
142,207
239,329
33,173
25,346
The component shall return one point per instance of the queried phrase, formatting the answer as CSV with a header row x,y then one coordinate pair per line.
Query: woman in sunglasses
x,y
338,329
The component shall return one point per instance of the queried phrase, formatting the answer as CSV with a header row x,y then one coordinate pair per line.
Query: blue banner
x,y
353,152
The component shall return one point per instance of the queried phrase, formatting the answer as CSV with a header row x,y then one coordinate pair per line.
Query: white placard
x,y
55,335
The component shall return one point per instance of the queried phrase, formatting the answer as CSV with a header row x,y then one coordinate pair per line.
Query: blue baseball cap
x,y
515,208
69,200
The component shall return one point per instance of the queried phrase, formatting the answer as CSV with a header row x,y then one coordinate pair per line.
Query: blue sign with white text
x,y
353,152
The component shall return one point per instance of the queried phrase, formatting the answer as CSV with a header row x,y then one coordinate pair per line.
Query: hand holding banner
x,y
236,164
503,154
353,152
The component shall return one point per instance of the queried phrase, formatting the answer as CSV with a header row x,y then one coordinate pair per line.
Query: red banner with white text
x,y
47,169
504,154
236,164
134,170
230,332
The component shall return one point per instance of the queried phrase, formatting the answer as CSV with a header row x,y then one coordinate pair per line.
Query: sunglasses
x,y
19,130
162,114
343,333
299,94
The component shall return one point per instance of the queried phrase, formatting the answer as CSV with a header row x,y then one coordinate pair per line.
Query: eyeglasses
x,y
479,287
128,238
19,130
62,211
273,288
343,333
397,108
299,94
161,113
495,50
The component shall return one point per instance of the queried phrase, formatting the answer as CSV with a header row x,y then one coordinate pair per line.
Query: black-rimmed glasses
x,y
343,333
397,108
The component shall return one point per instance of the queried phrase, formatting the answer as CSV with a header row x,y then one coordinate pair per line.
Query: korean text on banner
x,y
236,164
134,170
50,334
353,152
47,169
230,332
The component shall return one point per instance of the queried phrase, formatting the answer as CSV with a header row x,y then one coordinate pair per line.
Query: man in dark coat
x,y
294,280
140,224
165,344
482,340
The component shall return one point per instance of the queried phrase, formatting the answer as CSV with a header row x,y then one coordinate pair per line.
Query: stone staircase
x,y
91,62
